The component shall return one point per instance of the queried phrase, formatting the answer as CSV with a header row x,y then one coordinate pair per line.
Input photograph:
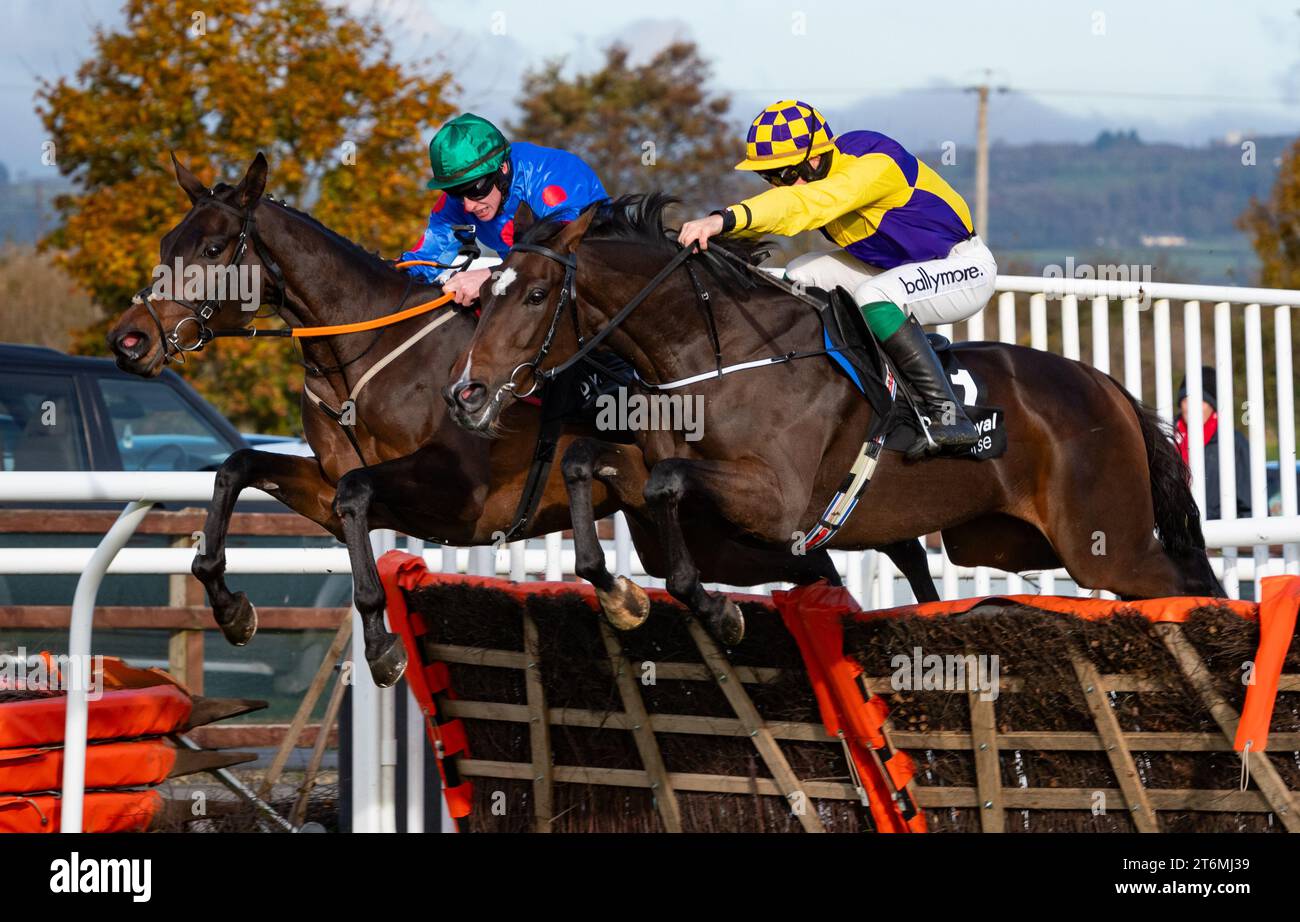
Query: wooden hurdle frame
x,y
993,798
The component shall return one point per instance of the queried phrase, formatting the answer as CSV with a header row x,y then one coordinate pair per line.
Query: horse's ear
x,y
567,240
188,181
524,219
250,188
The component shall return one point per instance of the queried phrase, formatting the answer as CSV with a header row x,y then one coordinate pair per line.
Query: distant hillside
x,y
1116,190
1047,201
26,207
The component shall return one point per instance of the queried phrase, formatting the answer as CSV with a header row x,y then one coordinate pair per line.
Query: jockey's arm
x,y
439,243
789,210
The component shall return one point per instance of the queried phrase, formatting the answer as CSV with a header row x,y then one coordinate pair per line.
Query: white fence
x,y
1054,323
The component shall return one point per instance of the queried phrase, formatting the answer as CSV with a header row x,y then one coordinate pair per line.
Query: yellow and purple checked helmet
x,y
783,134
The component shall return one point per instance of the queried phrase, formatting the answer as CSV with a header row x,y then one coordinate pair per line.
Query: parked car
x,y
76,413
280,444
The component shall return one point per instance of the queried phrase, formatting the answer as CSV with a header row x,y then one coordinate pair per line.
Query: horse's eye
x,y
536,296
213,251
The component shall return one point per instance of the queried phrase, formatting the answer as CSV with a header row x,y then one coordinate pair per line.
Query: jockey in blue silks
x,y
482,180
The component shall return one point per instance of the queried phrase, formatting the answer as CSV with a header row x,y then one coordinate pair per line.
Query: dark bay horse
x,y
1087,481
422,475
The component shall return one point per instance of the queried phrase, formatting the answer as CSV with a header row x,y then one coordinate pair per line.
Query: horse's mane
x,y
639,218
371,259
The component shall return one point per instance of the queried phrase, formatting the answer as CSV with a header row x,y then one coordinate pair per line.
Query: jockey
x,y
909,252
482,180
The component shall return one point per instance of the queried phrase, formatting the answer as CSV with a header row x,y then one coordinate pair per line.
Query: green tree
x,y
305,81
653,126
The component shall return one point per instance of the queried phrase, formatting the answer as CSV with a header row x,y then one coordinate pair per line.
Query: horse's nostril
x,y
131,344
472,396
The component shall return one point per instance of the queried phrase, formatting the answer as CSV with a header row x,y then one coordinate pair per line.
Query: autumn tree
x,y
1274,226
305,81
653,126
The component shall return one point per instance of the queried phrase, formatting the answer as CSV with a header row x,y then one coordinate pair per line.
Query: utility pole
x,y
982,165
982,156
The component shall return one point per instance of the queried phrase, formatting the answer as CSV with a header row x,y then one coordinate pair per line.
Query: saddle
x,y
853,348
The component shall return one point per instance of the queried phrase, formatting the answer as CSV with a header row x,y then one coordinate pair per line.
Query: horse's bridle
x,y
569,297
202,312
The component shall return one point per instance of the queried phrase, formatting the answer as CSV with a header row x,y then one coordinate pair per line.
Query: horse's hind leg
x,y
294,481
624,603
914,563
670,482
352,503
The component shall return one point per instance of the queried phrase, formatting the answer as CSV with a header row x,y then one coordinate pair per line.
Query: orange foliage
x,y
305,81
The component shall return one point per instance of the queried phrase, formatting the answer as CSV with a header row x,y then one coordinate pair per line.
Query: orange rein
x,y
361,326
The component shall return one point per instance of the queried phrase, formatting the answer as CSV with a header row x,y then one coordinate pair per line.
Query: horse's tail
x,y
1178,520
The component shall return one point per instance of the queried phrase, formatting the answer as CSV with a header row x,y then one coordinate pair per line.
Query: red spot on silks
x,y
553,195
508,233
441,203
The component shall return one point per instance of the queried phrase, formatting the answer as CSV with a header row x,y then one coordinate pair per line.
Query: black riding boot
x,y
950,429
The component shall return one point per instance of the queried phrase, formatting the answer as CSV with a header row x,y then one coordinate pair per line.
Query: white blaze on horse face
x,y
503,281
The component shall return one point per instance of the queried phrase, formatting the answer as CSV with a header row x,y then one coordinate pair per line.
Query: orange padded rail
x,y
118,714
108,765
104,811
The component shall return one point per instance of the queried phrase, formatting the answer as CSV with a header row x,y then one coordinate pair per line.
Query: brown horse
x,y
1086,482
402,464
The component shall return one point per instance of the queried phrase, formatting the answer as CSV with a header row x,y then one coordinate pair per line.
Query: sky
x,y
1187,72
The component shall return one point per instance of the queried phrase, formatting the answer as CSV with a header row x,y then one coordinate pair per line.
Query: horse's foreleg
x,y
624,603
294,481
352,504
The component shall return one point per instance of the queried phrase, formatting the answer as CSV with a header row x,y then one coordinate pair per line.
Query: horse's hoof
x,y
626,606
387,667
728,625
240,627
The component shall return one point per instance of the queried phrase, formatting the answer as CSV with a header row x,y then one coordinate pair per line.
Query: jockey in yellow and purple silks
x,y
909,251
482,180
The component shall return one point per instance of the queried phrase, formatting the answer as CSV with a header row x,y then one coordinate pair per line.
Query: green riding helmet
x,y
464,149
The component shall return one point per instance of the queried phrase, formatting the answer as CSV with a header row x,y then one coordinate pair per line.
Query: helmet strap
x,y
502,178
809,174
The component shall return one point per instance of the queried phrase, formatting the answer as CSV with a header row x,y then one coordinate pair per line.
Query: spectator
x,y
1241,449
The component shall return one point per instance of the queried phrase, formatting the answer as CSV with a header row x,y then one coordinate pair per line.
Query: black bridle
x,y
569,298
203,311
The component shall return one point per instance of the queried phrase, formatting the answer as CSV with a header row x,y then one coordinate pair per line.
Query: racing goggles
x,y
476,189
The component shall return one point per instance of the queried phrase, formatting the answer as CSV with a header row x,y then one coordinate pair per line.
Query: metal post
x,y
1195,395
79,663
1286,427
1227,438
1256,433
622,546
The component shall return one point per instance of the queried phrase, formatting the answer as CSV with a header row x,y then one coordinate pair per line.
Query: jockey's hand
x,y
464,286
700,230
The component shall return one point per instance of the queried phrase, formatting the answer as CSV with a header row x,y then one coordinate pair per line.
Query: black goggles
x,y
784,176
474,189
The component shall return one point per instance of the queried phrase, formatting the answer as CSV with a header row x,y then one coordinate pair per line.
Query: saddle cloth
x,y
851,347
